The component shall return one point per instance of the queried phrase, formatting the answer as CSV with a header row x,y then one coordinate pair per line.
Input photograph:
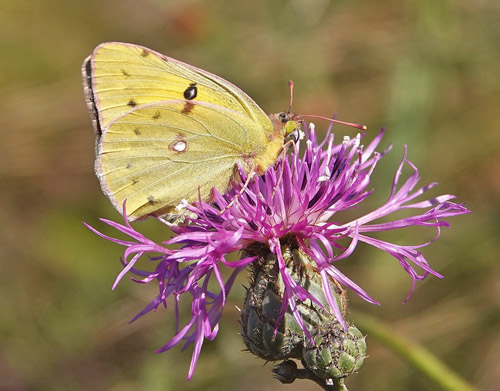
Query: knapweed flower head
x,y
298,198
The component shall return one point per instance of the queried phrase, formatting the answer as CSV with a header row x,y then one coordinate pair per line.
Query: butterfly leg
x,y
284,150
250,176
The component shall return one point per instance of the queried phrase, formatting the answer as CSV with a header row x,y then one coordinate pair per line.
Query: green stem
x,y
339,385
413,353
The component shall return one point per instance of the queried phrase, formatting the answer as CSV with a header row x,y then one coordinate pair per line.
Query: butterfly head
x,y
287,124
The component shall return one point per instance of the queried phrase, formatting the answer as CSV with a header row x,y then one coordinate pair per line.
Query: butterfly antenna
x,y
290,84
351,124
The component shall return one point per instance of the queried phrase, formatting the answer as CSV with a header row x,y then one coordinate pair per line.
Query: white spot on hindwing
x,y
179,146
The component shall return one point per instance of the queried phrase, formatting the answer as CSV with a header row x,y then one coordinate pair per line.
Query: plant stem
x,y
414,354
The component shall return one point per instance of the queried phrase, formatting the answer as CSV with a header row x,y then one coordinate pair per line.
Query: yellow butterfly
x,y
166,130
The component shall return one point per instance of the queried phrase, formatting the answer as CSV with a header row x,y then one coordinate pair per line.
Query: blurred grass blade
x,y
413,353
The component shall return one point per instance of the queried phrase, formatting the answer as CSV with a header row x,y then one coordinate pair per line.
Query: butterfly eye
x,y
191,91
283,117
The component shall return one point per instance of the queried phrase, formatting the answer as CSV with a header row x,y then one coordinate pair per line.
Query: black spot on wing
x,y
156,115
125,73
137,132
151,200
132,103
191,92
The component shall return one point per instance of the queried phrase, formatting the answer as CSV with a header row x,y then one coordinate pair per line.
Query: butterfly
x,y
167,131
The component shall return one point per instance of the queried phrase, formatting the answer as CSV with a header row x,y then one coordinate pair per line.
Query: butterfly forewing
x,y
123,76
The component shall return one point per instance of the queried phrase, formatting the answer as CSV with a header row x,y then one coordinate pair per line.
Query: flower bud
x,y
264,299
335,352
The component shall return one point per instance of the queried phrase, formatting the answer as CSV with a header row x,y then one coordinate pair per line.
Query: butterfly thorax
x,y
268,157
285,124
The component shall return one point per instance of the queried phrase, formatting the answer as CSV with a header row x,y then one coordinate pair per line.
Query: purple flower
x,y
300,196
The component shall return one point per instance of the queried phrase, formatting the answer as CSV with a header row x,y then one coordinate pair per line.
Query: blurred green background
x,y
428,70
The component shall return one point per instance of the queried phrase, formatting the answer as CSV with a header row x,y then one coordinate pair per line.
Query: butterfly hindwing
x,y
157,154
